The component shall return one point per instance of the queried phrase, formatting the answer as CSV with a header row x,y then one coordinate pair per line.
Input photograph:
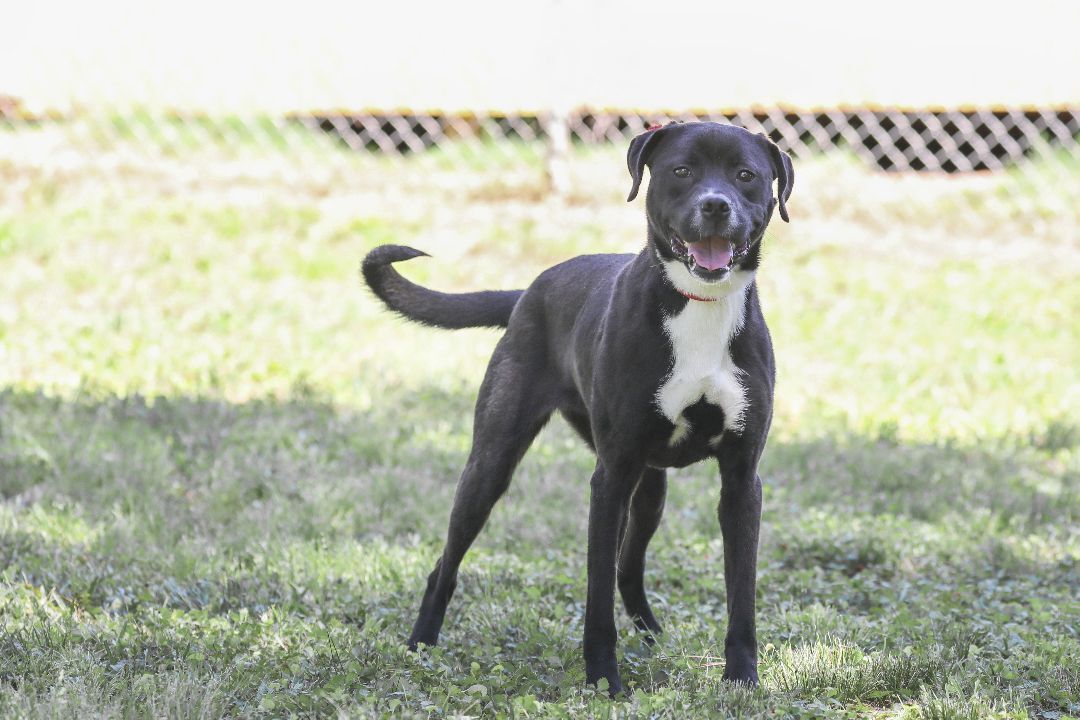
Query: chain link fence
x,y
932,140
1021,164
922,117
956,141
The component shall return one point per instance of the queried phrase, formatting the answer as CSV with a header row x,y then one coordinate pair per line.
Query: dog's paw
x,y
416,642
649,628
744,676
605,676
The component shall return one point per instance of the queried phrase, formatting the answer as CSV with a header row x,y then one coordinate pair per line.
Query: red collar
x,y
691,296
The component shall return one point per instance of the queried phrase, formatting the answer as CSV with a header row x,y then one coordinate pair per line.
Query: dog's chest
x,y
702,366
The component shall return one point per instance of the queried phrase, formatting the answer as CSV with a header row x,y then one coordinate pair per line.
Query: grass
x,y
225,472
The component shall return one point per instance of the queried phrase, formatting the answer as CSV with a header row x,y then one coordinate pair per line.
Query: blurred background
x,y
956,96
180,165
224,468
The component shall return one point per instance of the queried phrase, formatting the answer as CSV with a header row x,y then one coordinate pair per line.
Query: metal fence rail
x,y
945,140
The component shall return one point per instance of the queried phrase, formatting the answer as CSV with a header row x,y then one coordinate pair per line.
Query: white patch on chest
x,y
702,366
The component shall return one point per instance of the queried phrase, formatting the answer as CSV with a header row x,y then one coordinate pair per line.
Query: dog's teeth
x,y
678,246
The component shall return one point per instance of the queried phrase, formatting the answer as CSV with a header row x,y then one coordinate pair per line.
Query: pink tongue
x,y
711,253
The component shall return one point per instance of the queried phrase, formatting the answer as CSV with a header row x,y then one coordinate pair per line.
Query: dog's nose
x,y
715,205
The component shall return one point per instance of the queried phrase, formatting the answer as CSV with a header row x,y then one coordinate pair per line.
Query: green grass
x,y
225,472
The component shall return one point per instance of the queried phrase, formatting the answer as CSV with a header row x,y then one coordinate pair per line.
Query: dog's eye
x,y
745,176
682,172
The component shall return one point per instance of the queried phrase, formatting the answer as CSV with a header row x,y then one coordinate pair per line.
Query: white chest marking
x,y
702,365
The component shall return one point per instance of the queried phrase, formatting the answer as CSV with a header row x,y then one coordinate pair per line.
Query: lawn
x,y
225,471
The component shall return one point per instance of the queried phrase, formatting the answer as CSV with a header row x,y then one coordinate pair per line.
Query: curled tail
x,y
489,308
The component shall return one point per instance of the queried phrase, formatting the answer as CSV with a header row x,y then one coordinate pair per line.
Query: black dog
x,y
658,360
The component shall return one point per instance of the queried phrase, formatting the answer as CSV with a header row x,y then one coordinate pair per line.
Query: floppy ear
x,y
638,154
785,176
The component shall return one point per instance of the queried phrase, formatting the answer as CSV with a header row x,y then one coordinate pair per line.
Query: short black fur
x,y
489,308
590,339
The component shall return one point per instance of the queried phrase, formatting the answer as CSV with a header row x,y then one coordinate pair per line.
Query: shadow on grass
x,y
171,482
213,529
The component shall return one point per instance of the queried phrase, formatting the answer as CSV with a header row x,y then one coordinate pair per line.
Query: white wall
x,y
513,56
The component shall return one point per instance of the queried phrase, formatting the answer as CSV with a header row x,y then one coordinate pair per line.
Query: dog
x,y
657,360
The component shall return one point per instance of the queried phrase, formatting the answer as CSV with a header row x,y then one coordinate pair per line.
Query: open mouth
x,y
710,256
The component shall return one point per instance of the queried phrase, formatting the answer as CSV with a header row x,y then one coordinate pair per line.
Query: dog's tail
x,y
490,308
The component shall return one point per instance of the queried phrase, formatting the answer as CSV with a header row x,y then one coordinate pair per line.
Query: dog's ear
x,y
638,154
785,175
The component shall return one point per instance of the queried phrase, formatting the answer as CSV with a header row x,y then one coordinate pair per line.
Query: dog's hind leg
x,y
611,487
646,509
512,407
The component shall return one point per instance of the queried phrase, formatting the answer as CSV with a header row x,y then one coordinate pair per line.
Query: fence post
x,y
557,151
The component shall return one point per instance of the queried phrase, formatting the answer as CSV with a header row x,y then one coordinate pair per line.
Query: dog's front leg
x,y
612,484
740,519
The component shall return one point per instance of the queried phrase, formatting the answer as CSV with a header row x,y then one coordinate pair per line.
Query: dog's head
x,y
710,195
